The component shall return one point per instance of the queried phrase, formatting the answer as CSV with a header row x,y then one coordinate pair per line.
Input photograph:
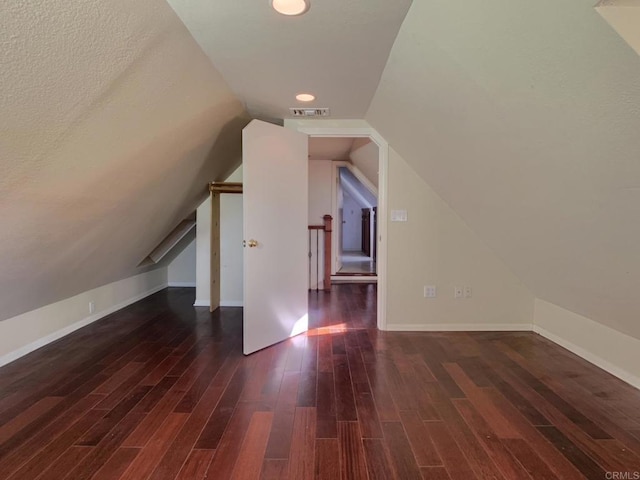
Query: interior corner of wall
x,y
609,349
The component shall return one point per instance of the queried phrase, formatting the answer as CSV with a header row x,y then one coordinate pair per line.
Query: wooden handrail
x,y
225,187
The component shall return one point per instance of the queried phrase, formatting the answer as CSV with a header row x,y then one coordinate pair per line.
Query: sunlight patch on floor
x,y
338,328
300,326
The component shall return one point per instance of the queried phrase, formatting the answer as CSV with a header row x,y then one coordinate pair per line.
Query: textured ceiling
x,y
113,121
336,51
524,117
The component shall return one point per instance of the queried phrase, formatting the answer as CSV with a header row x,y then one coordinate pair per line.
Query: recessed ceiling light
x,y
291,7
305,97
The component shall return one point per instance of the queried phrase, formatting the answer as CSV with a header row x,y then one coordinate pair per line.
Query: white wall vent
x,y
309,112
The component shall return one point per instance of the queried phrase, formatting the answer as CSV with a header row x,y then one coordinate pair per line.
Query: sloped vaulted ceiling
x,y
112,122
525,118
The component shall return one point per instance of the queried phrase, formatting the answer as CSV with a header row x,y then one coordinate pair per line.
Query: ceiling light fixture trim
x,y
291,7
305,97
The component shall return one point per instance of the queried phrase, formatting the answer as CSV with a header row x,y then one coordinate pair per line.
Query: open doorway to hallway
x,y
343,182
362,132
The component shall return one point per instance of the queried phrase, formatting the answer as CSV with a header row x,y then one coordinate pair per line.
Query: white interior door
x,y
275,207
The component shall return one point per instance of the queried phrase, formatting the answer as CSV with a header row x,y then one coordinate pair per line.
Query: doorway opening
x,y
354,136
343,180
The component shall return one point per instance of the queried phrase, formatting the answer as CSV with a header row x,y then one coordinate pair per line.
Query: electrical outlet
x,y
92,307
429,291
457,292
467,292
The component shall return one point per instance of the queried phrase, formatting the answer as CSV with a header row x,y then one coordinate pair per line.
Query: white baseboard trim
x,y
614,370
231,303
223,303
41,342
182,284
460,327
599,362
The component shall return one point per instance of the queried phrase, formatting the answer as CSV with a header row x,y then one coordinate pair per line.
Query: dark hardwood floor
x,y
162,391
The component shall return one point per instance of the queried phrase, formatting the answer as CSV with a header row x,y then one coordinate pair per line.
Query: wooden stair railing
x,y
326,227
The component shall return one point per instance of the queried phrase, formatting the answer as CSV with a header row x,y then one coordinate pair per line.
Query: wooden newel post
x,y
327,252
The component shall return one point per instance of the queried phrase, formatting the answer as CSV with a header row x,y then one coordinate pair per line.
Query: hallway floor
x,y
161,391
357,263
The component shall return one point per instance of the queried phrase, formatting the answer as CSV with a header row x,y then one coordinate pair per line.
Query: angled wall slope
x,y
523,117
436,247
113,121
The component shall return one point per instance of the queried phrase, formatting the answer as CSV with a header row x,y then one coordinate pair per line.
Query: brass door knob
x,y
252,243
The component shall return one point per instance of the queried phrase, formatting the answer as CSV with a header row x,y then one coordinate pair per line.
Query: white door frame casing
x,y
361,129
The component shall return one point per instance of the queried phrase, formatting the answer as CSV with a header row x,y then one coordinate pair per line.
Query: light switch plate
x,y
398,215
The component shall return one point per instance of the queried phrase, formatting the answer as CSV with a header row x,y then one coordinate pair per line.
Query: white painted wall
x,y
615,352
320,190
365,158
32,330
182,269
498,106
321,182
203,254
352,226
435,247
231,251
230,233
